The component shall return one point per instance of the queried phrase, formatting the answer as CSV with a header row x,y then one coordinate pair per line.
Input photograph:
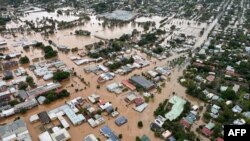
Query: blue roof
x,y
171,138
109,133
121,120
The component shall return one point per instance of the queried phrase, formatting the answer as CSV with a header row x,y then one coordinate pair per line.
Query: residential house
x,y
17,130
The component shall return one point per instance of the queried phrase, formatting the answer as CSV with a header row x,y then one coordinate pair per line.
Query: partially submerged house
x,y
17,130
142,82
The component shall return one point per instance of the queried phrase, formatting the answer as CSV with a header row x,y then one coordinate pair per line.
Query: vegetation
x,y
30,81
24,60
82,32
61,75
48,50
22,86
13,102
147,38
140,124
116,65
52,95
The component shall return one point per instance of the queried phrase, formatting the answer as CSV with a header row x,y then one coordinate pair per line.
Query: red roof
x,y
219,139
185,123
138,101
129,85
207,132
210,78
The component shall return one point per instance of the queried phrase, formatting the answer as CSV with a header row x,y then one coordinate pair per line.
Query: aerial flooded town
x,y
123,70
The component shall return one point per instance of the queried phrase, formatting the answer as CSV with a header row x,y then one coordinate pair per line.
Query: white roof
x,y
106,105
8,112
90,137
9,138
59,133
45,136
34,118
141,108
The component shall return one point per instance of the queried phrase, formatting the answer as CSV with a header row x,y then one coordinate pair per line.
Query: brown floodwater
x,y
130,129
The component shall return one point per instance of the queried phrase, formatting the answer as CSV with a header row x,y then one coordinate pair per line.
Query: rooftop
x,y
16,130
177,108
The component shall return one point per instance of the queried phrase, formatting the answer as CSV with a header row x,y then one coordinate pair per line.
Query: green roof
x,y
145,138
177,108
210,125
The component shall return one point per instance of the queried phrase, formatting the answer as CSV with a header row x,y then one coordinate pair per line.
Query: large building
x,y
16,130
142,82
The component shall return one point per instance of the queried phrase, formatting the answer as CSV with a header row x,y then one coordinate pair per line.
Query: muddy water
x,y
129,130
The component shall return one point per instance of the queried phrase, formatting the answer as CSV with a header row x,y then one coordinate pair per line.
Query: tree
x,y
61,75
120,136
229,95
173,27
24,60
137,138
13,102
140,124
22,86
30,81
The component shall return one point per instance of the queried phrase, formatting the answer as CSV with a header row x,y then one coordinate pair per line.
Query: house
x,y
127,84
45,136
60,135
105,77
121,120
215,111
239,122
73,117
237,109
5,96
207,129
41,99
138,101
9,64
177,108
115,88
189,119
93,98
144,138
90,137
8,74
107,132
43,89
166,134
210,78
159,120
152,74
130,97
154,127
22,94
25,105
219,139
247,49
17,130
97,120
236,88
246,96
141,108
142,82
44,117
